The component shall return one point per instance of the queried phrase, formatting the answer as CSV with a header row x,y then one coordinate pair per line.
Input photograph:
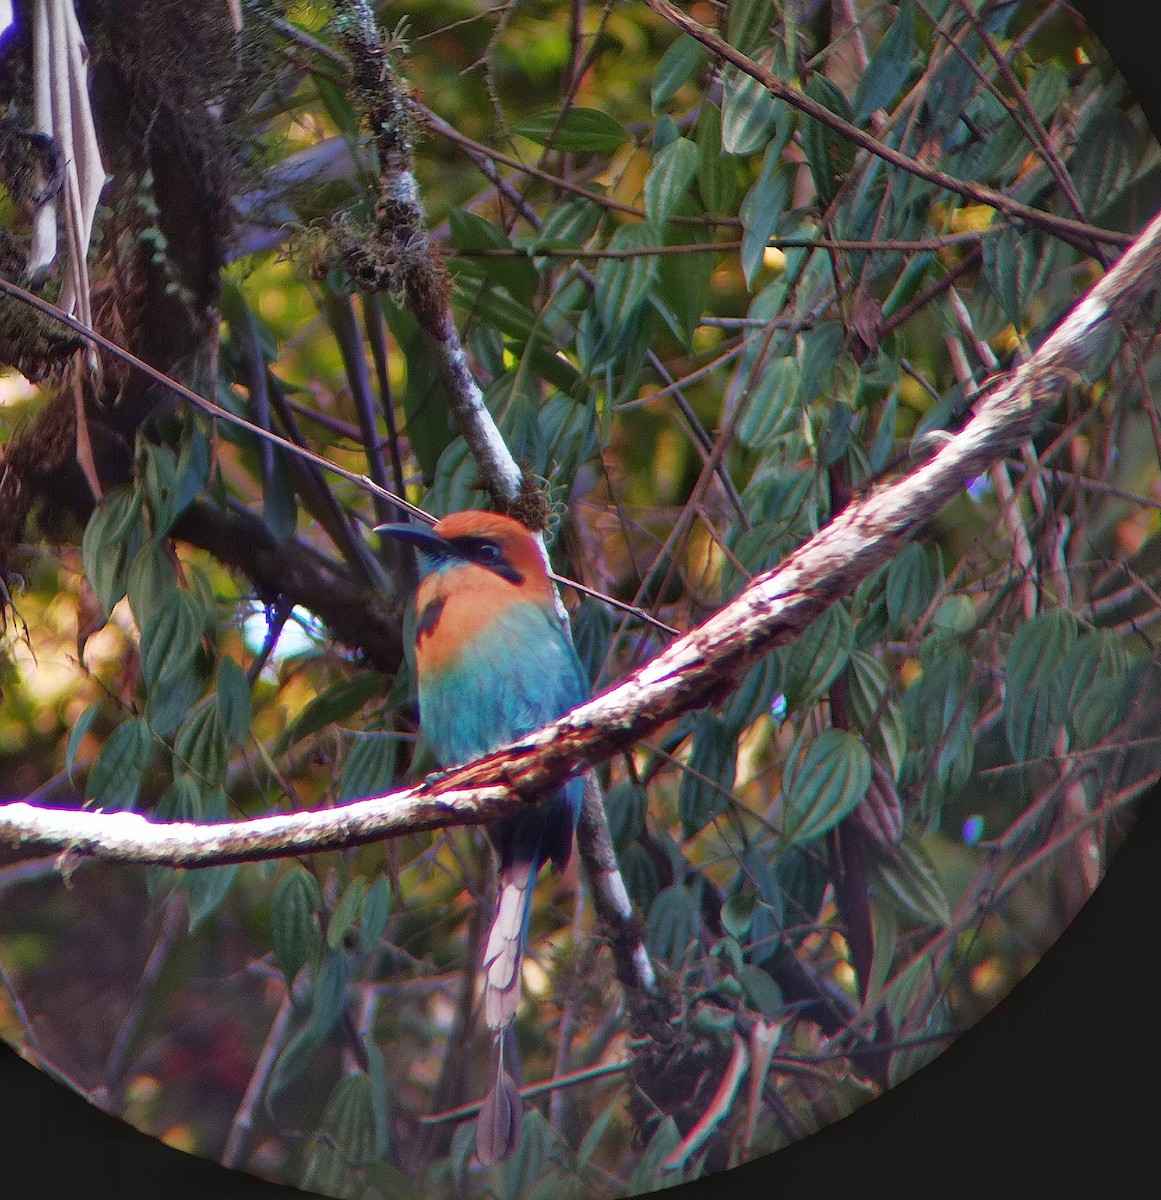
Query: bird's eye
x,y
489,552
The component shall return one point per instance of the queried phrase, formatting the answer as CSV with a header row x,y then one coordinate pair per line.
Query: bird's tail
x,y
504,953
498,1125
501,1113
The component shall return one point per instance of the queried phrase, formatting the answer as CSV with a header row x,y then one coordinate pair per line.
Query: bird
x,y
493,663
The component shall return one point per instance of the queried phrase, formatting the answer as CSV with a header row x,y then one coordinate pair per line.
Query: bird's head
x,y
471,542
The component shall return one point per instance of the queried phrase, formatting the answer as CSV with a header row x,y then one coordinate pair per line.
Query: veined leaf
x,y
672,925
750,111
912,579
337,703
772,405
112,536
677,64
908,881
1033,697
294,930
815,660
579,130
117,772
828,784
623,283
889,67
669,178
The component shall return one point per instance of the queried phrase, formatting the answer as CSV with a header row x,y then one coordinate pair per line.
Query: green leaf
x,y
1033,699
115,779
909,883
932,1037
112,536
596,1131
294,930
205,890
673,924
425,402
234,709
884,444
150,580
377,1072
772,405
751,113
751,699
193,464
828,155
678,63
171,638
329,992
867,682
835,436
684,280
668,180
622,284
626,805
957,614
649,1175
1016,267
352,1119
531,1167
704,792
568,225
77,734
376,909
889,67
337,703
748,23
473,233
1048,91
828,784
578,130
995,147
908,284
173,697
279,503
159,485
328,999
764,994
182,800
1103,158
942,708
822,349
1092,676
201,747
765,204
346,912
912,579
738,913
206,887
369,766
812,664
717,177
885,935
338,103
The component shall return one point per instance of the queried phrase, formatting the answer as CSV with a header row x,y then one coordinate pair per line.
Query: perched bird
x,y
493,663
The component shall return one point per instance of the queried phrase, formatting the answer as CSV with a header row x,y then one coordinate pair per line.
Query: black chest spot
x,y
429,618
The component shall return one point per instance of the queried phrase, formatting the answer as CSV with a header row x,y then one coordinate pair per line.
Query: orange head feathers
x,y
473,566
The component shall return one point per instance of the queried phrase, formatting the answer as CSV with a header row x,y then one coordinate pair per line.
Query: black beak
x,y
425,540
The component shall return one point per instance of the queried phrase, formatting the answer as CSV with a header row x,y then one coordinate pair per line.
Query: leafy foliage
x,y
701,319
